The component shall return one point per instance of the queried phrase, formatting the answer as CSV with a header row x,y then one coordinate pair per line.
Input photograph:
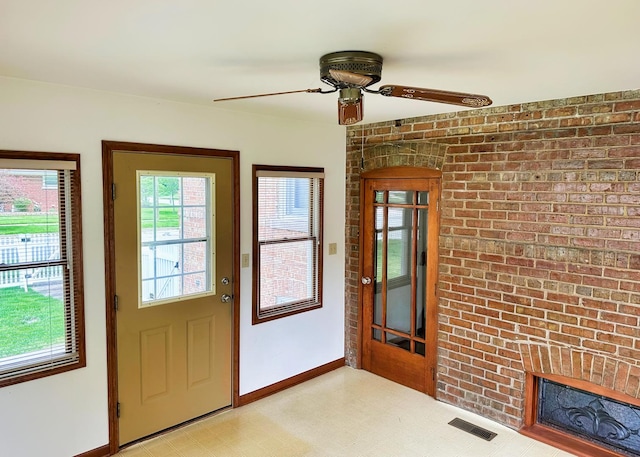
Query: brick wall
x,y
539,241
194,225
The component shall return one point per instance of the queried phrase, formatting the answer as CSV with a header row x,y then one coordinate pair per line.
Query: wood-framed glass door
x,y
399,252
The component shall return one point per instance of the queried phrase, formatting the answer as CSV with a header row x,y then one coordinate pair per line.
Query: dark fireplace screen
x,y
601,420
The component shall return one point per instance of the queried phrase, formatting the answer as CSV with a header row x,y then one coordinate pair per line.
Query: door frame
x,y
108,148
399,172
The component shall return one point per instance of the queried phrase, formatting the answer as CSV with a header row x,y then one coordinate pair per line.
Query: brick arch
x,y
363,158
600,370
403,154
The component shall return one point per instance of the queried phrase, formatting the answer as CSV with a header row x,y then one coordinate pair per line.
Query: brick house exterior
x,y
15,184
194,226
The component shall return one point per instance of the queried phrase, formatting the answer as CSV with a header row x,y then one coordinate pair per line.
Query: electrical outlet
x,y
245,260
333,248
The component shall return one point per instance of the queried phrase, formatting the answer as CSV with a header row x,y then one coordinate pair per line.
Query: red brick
x,y
612,118
632,105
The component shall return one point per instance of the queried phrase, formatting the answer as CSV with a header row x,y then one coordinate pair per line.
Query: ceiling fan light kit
x,y
350,106
352,72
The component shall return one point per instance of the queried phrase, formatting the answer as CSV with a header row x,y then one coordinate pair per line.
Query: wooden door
x,y
399,250
173,227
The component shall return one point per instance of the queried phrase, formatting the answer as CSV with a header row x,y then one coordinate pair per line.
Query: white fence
x,y
29,248
161,271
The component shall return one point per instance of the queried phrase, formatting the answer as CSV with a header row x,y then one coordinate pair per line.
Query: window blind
x,y
288,237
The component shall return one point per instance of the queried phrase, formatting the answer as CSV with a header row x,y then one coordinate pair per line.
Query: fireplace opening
x,y
585,422
596,418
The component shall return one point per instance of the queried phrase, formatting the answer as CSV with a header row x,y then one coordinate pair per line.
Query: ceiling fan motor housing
x,y
359,62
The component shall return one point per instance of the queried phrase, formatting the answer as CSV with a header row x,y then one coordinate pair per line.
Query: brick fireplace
x,y
604,423
539,243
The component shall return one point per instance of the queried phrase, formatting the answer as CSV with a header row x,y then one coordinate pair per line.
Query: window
x,y
41,292
287,240
50,180
176,225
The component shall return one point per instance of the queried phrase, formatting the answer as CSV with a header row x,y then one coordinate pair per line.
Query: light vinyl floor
x,y
345,413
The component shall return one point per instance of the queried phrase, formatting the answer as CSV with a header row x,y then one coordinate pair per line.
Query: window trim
x,y
60,162
276,312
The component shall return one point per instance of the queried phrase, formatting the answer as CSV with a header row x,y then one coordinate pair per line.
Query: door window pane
x,y
398,341
399,291
377,267
421,272
401,196
400,265
399,242
176,236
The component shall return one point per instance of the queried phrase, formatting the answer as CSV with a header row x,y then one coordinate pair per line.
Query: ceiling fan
x,y
352,72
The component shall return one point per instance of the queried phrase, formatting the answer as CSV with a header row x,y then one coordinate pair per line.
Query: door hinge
x,y
113,191
115,302
433,375
118,409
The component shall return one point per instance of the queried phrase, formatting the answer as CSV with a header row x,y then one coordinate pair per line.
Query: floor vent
x,y
473,429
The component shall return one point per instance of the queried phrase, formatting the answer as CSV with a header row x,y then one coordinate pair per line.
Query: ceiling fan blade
x,y
433,95
350,78
268,95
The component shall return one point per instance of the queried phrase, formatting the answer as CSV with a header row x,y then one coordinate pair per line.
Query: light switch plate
x,y
245,261
333,248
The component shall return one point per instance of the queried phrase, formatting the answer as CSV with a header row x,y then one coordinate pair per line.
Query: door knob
x,y
365,280
225,298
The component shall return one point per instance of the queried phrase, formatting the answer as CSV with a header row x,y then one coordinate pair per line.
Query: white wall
x,y
36,416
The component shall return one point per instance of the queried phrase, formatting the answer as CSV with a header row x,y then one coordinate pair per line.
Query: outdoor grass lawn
x,y
29,321
166,218
18,223
394,258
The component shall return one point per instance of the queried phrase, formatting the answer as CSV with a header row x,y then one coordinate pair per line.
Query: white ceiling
x,y
193,51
